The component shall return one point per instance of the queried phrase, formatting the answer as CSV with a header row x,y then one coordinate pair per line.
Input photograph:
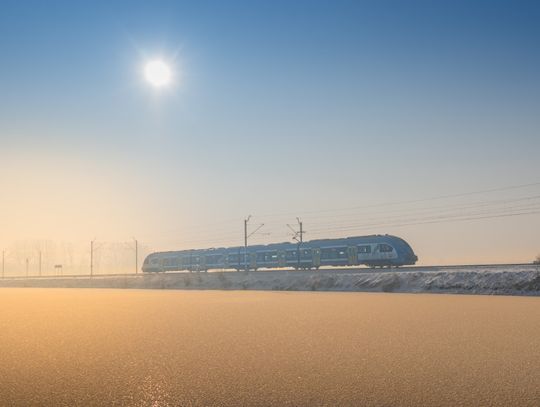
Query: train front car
x,y
389,251
152,264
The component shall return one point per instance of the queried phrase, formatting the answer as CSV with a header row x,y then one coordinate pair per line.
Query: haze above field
x,y
350,115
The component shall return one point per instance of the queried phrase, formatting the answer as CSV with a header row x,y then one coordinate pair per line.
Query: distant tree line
x,y
47,257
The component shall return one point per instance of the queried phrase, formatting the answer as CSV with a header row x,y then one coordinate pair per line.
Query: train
x,y
371,251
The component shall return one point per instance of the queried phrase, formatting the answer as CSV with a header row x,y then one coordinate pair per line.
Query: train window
x,y
305,253
364,249
335,253
236,258
213,259
291,255
154,260
328,253
266,257
384,248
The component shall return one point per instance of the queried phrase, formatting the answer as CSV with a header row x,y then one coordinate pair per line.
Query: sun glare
x,y
157,73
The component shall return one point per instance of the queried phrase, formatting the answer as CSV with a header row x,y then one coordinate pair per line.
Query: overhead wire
x,y
331,220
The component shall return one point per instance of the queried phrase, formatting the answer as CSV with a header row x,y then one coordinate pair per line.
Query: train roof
x,y
346,241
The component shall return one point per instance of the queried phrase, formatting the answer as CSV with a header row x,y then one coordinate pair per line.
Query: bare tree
x,y
537,260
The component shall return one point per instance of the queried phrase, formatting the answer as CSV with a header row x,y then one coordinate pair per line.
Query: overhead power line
x,y
456,218
483,207
384,216
392,203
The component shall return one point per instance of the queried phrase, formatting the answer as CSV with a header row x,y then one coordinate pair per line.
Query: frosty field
x,y
505,280
68,347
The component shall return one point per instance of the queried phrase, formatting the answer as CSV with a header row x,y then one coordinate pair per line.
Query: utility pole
x,y
245,242
92,257
136,256
301,232
246,236
298,237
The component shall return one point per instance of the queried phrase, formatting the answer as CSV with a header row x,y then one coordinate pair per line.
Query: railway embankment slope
x,y
523,280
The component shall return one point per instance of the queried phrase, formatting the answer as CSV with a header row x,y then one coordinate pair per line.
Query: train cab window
x,y
154,260
384,248
364,249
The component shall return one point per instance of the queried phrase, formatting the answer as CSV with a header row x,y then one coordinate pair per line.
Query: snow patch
x,y
520,280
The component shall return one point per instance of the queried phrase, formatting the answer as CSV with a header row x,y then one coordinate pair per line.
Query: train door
x,y
252,258
316,257
202,263
352,253
384,251
281,258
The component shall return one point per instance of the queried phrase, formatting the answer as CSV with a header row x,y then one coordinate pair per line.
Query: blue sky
x,y
281,107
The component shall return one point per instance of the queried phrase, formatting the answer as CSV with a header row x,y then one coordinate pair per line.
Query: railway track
x,y
335,270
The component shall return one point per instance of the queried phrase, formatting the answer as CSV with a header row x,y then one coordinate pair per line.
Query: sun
x,y
157,73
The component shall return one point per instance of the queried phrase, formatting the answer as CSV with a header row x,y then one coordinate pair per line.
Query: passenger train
x,y
372,251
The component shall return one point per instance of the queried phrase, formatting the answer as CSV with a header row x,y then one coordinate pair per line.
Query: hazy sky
x,y
322,110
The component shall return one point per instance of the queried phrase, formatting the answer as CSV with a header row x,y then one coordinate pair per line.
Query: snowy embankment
x,y
522,280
